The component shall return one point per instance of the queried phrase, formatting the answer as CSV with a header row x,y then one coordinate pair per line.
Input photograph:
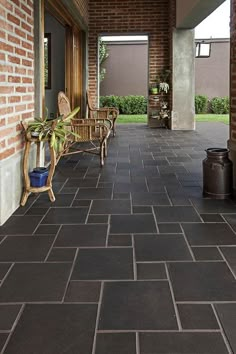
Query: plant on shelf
x,y
164,112
56,130
154,89
162,79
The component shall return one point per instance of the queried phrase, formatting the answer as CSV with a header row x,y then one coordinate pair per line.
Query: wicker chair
x,y
103,112
89,132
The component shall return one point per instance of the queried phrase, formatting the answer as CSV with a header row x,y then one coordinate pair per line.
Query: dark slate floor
x,y
130,259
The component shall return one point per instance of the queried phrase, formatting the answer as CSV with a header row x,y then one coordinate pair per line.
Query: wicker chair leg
x,y
102,154
105,148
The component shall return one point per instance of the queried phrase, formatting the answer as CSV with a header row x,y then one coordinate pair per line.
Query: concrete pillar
x,y
183,80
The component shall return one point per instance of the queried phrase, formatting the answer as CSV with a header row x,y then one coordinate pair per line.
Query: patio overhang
x,y
189,13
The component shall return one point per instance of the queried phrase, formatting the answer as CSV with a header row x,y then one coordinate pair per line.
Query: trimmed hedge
x,y
201,103
220,105
125,104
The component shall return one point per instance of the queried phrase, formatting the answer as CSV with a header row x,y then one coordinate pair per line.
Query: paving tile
x,y
82,236
25,248
230,255
61,255
140,305
36,211
81,203
213,205
94,193
65,216
17,225
227,316
141,198
212,218
176,214
130,187
207,281
4,268
47,230
62,200
103,264
54,329
169,247
209,234
123,224
8,315
169,228
121,196
207,254
83,291
111,207
197,316
98,219
116,343
120,240
33,282
142,210
182,343
151,271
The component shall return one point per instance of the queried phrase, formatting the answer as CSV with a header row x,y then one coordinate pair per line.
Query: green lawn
x,y
142,118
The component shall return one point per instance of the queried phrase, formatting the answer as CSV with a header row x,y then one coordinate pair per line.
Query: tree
x,y
103,55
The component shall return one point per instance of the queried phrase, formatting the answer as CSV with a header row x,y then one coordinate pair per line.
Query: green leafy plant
x,y
56,130
220,105
126,104
201,103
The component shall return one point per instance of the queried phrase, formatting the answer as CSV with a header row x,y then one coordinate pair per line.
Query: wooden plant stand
x,y
48,187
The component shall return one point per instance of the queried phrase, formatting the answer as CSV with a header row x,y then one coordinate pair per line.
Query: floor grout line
x,y
97,319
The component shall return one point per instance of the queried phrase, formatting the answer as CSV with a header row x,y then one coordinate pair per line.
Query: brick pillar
x,y
232,140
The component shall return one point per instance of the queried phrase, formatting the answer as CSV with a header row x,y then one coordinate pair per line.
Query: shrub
x,y
220,105
125,104
201,104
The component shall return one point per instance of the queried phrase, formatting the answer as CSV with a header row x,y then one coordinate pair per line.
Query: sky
x,y
217,24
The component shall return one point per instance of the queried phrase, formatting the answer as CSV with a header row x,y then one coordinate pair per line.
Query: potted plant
x,y
162,79
154,89
56,130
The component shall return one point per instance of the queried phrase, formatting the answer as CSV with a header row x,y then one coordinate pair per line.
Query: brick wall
x,y
233,71
16,72
132,17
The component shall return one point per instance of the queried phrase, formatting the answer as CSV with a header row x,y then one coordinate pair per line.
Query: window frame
x,y
198,50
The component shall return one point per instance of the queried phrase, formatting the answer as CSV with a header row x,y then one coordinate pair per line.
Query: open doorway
x,y
123,75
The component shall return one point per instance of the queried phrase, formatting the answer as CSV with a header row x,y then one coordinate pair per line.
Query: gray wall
x,y
57,62
127,70
212,74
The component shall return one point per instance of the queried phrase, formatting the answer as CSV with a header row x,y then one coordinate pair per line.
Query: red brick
x,y
13,39
6,89
14,119
13,19
14,99
14,79
21,89
27,62
2,144
20,13
12,140
20,33
14,60
2,122
6,47
7,153
6,110
20,108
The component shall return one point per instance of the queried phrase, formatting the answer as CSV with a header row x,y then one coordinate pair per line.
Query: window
x,y
203,50
47,60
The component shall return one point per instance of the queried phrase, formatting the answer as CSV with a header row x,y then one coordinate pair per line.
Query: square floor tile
x,y
213,205
161,248
116,343
35,282
207,254
128,224
230,255
182,343
20,225
207,281
82,236
94,193
25,248
81,182
62,200
140,305
83,291
65,216
8,315
212,218
227,316
142,210
47,230
231,220
197,317
130,187
111,207
4,268
61,255
54,329
98,219
176,214
3,339
169,228
120,240
104,264
139,198
151,271
209,234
